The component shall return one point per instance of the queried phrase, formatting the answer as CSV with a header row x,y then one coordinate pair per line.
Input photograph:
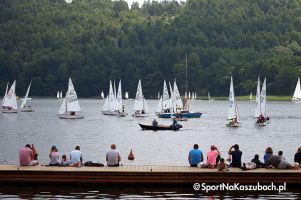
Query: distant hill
x,y
94,41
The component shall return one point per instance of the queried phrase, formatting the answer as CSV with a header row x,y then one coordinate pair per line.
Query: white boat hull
x,y
26,110
110,112
140,115
64,116
122,114
10,111
235,125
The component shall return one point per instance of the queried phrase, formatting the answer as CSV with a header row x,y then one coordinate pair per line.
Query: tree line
x,y
93,41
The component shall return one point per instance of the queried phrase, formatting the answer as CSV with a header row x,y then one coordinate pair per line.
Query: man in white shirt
x,y
113,157
76,158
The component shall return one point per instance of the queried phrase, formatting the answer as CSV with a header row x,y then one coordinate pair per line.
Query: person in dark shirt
x,y
256,160
236,156
297,157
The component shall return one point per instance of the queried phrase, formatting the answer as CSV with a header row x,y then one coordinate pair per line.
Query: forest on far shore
x,y
93,41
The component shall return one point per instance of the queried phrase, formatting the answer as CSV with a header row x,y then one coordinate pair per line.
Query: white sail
x,y
195,97
24,100
63,108
5,94
192,96
61,94
119,98
165,97
111,98
10,98
257,109
138,104
178,104
160,105
71,98
145,107
58,95
189,96
159,95
106,104
263,99
232,106
102,95
297,93
126,95
209,95
171,99
251,96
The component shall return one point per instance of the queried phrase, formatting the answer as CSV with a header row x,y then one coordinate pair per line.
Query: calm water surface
x,y
96,132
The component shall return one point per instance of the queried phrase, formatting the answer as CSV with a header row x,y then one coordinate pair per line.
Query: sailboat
x,y
262,118
58,95
140,106
24,107
4,94
119,104
102,95
61,94
233,115
297,93
126,96
70,108
9,103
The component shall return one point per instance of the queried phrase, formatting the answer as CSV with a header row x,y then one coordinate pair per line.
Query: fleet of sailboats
x,y
70,108
24,107
233,115
297,92
140,106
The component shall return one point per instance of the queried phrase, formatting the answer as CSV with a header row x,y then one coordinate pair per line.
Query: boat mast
x,y
186,74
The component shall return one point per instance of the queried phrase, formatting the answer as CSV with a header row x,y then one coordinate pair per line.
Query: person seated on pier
x,y
54,156
213,157
222,166
280,153
64,161
297,157
113,158
76,158
195,156
26,156
236,156
267,154
278,163
155,123
256,160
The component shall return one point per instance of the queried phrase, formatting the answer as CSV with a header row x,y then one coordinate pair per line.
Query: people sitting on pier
x,y
76,158
297,157
64,161
222,166
131,156
236,156
256,160
113,158
278,163
280,153
195,156
213,157
54,156
155,123
35,152
26,156
267,154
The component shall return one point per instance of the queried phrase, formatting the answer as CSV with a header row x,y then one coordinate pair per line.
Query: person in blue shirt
x,y
195,156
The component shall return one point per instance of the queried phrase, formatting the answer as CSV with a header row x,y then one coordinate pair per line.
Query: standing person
x,y
236,156
213,157
26,156
76,158
195,156
297,157
267,154
113,158
54,156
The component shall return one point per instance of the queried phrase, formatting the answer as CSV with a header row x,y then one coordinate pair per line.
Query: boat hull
x,y
63,116
26,110
109,112
234,125
160,127
10,111
140,115
185,115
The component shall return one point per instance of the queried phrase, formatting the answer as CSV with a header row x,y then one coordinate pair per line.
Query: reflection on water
x,y
97,192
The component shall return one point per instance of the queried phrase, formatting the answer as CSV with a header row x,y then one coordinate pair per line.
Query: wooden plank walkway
x,y
136,174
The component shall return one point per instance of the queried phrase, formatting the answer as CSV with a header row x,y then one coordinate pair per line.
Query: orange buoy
x,y
131,155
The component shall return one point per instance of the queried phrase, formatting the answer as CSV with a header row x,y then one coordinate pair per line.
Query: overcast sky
x,y
141,2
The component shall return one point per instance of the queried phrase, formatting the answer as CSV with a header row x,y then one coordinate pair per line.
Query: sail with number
x,y
165,98
10,100
140,103
258,107
232,109
297,93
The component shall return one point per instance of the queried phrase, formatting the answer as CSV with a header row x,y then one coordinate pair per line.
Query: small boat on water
x,y
70,108
160,127
185,114
140,106
260,111
24,107
297,93
233,116
9,102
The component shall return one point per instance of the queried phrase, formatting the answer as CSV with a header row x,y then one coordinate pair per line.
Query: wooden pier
x,y
148,175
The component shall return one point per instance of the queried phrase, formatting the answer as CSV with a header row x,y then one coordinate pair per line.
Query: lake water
x,y
96,132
